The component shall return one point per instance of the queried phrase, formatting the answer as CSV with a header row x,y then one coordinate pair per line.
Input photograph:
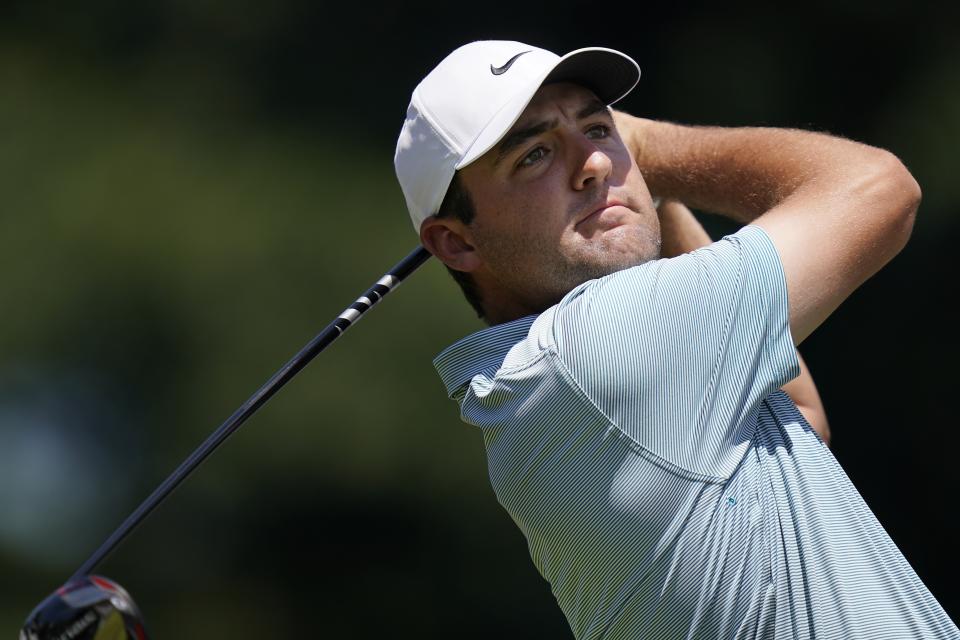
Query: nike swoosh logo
x,y
497,71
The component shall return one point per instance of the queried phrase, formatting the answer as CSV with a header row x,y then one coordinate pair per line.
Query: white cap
x,y
472,98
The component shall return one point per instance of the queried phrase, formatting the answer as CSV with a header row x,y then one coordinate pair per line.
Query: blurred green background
x,y
189,191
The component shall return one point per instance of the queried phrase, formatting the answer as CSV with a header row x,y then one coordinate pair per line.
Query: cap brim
x,y
610,74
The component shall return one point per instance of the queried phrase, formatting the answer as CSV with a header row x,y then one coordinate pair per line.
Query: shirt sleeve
x,y
679,353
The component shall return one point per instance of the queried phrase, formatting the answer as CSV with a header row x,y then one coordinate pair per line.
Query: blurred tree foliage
x,y
191,190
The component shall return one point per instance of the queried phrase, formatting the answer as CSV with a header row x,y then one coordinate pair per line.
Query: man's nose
x,y
592,165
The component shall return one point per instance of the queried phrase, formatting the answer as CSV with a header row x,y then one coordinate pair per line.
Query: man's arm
x,y
836,210
804,394
681,232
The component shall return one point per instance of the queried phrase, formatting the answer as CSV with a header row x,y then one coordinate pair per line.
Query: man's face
x,y
558,201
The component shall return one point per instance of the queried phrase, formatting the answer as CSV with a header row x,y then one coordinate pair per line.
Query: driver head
x,y
87,608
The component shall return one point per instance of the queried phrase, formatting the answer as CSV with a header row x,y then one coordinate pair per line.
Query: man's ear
x,y
447,240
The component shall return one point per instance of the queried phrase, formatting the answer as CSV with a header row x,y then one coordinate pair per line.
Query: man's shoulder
x,y
664,299
661,276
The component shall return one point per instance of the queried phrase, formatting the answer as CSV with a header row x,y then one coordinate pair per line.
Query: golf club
x,y
334,330
87,608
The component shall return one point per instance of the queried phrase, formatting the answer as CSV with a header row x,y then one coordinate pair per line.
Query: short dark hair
x,y
458,204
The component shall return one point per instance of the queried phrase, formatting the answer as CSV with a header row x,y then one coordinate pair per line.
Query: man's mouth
x,y
598,212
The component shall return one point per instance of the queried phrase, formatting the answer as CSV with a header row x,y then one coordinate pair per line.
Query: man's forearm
x,y
803,391
737,172
680,231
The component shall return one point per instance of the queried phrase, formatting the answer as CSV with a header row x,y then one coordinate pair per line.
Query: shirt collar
x,y
480,352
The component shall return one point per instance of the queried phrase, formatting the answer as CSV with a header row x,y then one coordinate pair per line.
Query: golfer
x,y
630,386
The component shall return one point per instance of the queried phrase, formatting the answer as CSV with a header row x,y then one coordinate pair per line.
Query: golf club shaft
x,y
334,330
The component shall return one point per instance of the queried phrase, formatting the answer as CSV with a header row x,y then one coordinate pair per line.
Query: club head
x,y
87,608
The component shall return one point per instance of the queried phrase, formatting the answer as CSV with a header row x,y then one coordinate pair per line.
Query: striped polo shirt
x,y
636,434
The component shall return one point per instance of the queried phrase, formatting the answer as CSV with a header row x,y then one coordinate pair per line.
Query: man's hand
x,y
836,210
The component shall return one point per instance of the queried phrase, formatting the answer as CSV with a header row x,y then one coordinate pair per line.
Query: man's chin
x,y
617,258
614,267
611,264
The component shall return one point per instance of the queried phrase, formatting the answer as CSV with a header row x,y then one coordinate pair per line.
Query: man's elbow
x,y
898,197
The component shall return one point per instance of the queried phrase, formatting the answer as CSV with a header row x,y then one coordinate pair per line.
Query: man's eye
x,y
598,132
534,157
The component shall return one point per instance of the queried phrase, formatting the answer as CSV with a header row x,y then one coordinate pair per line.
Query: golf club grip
x,y
334,330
